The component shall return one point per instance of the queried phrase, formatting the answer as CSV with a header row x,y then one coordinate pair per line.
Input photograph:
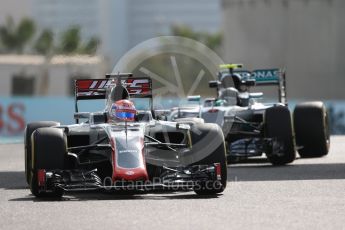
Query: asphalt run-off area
x,y
307,194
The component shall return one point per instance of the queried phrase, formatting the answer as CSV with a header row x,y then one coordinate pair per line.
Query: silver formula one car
x,y
252,128
122,148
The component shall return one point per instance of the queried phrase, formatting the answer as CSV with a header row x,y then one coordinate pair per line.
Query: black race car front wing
x,y
83,180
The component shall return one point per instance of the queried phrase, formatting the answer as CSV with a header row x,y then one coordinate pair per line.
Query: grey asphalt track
x,y
308,194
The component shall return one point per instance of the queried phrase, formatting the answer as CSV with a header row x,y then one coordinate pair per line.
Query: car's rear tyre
x,y
278,126
49,150
311,128
30,128
209,137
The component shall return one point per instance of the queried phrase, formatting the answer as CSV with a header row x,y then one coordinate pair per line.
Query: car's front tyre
x,y
49,150
203,136
30,128
278,127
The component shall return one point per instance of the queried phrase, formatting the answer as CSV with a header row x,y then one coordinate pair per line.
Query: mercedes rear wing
x,y
268,77
261,77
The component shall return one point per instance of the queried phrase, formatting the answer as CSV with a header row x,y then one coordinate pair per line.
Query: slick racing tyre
x,y
30,128
49,149
311,128
203,136
278,127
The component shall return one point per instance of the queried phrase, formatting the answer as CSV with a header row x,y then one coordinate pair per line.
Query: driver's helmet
x,y
122,110
229,95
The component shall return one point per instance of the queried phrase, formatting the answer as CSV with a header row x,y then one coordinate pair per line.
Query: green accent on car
x,y
266,75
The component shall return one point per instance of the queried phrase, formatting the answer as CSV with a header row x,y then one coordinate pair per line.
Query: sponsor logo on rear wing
x,y
266,76
262,76
96,88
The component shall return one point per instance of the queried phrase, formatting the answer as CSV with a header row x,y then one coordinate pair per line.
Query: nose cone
x,y
135,174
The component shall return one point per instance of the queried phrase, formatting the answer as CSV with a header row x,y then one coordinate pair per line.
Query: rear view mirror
x,y
98,118
82,115
213,84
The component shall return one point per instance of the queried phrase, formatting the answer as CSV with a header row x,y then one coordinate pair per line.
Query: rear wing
x,y
267,77
90,89
260,77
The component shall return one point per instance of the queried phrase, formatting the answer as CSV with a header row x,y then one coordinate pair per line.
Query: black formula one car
x,y
138,153
252,128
